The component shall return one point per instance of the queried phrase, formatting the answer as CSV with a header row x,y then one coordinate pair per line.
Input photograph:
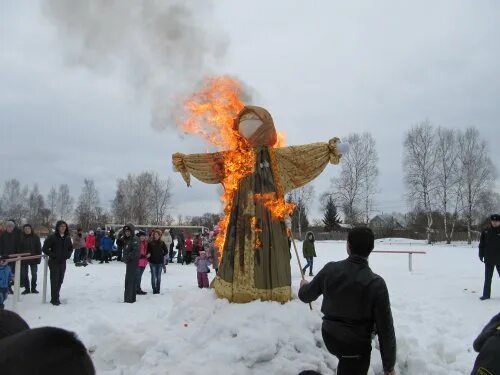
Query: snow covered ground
x,y
185,330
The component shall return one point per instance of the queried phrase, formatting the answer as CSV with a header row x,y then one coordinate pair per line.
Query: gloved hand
x,y
481,258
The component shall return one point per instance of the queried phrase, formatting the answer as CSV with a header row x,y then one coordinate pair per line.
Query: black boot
x,y
34,291
26,291
484,298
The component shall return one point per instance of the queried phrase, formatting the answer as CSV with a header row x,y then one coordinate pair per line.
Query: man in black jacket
x,y
131,259
488,346
30,243
58,247
355,306
489,253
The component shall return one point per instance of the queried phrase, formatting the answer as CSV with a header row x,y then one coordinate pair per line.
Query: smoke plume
x,y
162,47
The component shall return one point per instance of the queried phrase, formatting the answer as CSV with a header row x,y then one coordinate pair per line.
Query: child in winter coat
x,y
6,277
90,246
143,261
189,249
201,262
106,247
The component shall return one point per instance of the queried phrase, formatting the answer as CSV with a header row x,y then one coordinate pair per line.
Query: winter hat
x,y
203,253
10,223
45,350
91,232
160,233
141,233
11,323
495,217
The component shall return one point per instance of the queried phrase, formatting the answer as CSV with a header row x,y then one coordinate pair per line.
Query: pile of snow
x,y
185,330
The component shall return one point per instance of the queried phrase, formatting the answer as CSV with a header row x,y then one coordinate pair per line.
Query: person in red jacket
x,y
90,246
189,249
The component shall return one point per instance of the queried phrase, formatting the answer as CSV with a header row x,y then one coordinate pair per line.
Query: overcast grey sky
x,y
322,70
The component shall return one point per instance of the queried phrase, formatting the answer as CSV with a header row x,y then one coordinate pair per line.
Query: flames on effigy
x,y
210,114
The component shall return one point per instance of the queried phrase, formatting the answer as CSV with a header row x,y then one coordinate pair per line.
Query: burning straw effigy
x,y
256,172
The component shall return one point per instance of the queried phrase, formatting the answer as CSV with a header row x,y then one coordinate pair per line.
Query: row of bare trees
x,y
448,171
144,198
27,203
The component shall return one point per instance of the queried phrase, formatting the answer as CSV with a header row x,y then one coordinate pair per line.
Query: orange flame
x,y
210,114
277,206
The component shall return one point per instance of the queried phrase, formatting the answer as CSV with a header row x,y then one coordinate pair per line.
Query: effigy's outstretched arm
x,y
298,165
207,168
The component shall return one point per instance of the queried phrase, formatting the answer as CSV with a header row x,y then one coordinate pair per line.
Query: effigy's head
x,y
256,125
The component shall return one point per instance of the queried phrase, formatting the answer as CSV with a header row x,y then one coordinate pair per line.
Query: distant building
x,y
387,222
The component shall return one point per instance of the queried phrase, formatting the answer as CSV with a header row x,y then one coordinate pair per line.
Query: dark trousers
x,y
488,275
138,278
3,296
130,277
309,264
349,363
189,257
57,271
202,279
156,276
25,275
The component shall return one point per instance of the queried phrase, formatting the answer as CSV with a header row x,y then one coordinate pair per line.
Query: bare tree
x,y
302,198
161,194
477,173
87,209
36,207
447,178
64,202
420,169
52,204
14,200
355,188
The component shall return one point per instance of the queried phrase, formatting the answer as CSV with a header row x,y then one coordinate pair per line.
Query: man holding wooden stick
x,y
355,306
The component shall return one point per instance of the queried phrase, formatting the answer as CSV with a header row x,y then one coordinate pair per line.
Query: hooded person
x,y
58,247
130,257
45,350
309,252
487,344
30,243
143,261
255,260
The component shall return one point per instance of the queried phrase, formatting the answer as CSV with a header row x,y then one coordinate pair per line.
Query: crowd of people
x,y
355,305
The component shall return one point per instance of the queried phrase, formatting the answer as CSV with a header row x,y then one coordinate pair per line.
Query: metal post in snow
x,y
44,288
17,284
410,265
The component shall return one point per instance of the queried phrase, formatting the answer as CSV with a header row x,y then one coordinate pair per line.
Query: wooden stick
x,y
298,259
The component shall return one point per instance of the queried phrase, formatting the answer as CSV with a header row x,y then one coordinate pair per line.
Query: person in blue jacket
x,y
6,277
106,246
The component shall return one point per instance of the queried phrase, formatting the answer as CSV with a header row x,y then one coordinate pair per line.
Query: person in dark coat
x,y
130,258
489,253
58,247
9,244
487,344
309,252
355,306
157,249
45,350
30,243
180,248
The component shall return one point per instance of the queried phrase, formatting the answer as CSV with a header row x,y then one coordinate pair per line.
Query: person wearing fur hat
x,y
202,264
30,243
489,253
11,323
130,257
156,252
58,247
143,261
